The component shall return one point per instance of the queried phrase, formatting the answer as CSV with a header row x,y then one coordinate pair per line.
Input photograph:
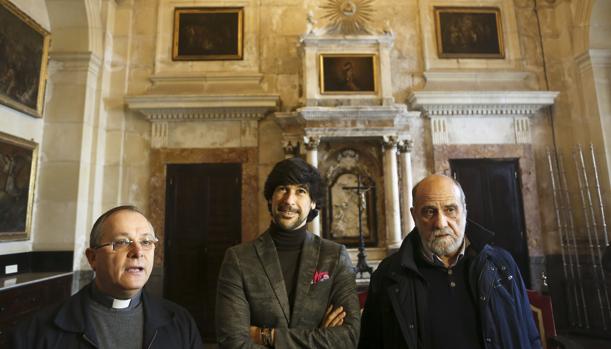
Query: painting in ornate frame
x,y
208,33
469,32
18,159
348,73
24,47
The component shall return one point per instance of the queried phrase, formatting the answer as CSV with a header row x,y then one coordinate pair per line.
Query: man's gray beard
x,y
441,247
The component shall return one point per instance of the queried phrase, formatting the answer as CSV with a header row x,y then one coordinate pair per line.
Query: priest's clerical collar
x,y
115,303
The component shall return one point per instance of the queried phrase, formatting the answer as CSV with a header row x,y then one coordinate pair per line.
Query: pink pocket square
x,y
319,276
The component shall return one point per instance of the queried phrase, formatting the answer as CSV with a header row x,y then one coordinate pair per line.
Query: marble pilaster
x,y
311,144
407,183
391,191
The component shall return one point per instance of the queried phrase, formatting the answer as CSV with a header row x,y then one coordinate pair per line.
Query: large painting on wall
x,y
24,48
348,73
469,32
18,160
207,33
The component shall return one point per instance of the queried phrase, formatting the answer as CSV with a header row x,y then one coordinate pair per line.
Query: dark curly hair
x,y
296,171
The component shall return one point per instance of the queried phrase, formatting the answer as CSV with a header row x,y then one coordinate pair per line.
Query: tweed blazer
x,y
251,292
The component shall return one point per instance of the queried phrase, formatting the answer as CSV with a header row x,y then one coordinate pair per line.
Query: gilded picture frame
x,y
348,73
24,49
469,32
18,167
208,33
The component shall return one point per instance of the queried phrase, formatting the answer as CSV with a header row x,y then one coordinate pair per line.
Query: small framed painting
x,y
18,159
207,33
469,32
348,73
24,47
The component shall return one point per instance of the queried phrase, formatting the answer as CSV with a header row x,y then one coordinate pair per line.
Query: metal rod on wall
x,y
569,278
603,278
568,214
582,178
599,196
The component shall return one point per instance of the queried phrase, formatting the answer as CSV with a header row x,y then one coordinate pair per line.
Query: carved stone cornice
x,y
482,103
392,112
176,108
384,40
346,121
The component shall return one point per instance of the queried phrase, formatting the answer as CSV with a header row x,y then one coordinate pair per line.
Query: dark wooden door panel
x,y
203,219
493,200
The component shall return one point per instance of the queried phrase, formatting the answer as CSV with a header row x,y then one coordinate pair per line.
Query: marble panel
x,y
136,188
210,134
249,133
484,130
270,142
248,157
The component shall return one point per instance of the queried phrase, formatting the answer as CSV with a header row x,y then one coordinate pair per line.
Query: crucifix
x,y
360,190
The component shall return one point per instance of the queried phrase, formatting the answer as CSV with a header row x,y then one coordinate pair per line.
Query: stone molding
x,y
393,112
522,130
483,103
220,77
203,107
75,61
484,76
333,41
346,121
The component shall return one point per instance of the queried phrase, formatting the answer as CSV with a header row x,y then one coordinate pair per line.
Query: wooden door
x,y
203,219
494,200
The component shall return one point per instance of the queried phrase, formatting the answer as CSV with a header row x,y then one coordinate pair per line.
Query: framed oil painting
x,y
348,73
469,32
207,33
24,47
18,159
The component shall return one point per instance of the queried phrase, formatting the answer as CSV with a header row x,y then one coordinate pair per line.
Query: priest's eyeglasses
x,y
123,244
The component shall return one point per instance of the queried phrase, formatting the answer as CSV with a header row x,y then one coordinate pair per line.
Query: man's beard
x,y
443,242
282,224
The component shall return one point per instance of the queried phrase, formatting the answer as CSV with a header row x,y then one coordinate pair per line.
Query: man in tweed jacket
x,y
288,288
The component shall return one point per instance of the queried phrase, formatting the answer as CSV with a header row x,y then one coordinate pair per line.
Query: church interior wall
x,y
97,153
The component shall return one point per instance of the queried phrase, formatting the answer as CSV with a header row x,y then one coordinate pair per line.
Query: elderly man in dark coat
x,y
442,291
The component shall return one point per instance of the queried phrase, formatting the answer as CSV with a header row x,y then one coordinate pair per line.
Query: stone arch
x,y
582,10
76,26
600,26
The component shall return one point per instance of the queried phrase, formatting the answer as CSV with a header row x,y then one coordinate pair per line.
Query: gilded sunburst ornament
x,y
348,16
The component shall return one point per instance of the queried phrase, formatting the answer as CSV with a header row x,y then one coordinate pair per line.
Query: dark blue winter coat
x,y
398,293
